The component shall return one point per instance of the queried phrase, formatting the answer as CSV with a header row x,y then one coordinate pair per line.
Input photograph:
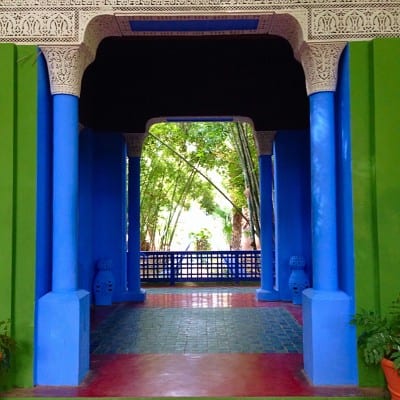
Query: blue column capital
x,y
134,144
320,62
66,64
264,142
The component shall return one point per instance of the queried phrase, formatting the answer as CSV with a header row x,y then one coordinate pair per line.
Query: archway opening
x,y
134,80
138,78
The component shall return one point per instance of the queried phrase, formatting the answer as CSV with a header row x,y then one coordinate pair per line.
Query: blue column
x,y
134,146
44,182
264,144
326,310
65,193
135,292
63,314
110,207
323,191
292,204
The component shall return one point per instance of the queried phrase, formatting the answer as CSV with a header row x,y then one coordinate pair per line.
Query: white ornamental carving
x,y
98,29
41,25
65,21
352,22
134,143
264,142
116,3
66,66
320,63
59,26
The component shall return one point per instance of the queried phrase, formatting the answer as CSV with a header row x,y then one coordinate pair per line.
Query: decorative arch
x,y
69,35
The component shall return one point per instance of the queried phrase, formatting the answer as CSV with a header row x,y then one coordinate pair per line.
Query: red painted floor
x,y
192,375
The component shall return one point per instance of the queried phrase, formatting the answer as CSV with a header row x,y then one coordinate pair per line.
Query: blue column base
x,y
62,351
133,296
267,295
329,343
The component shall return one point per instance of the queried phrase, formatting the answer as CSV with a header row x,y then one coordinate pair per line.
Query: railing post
x,y
172,280
237,267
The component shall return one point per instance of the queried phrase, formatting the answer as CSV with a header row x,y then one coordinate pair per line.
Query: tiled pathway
x,y
182,330
196,342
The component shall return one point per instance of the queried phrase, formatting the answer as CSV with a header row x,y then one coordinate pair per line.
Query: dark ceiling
x,y
138,78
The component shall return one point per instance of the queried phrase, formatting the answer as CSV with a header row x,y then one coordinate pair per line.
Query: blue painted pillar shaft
x,y
327,334
65,193
134,224
265,168
264,141
323,191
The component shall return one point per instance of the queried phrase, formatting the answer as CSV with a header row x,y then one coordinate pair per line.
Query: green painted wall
x,y
18,116
375,129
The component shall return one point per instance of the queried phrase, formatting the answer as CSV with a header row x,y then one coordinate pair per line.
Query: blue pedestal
x,y
103,285
267,295
137,296
328,338
63,338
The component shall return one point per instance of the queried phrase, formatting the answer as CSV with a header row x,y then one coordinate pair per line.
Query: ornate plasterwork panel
x,y
320,63
353,22
134,143
82,24
66,65
264,142
66,21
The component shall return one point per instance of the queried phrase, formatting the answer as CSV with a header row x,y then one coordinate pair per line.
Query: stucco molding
x,y
134,143
320,64
66,65
69,31
61,22
264,142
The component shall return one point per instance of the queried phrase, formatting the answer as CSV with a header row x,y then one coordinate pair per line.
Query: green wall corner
x,y
18,122
375,122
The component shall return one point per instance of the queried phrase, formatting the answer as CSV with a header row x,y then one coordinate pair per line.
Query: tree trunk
x,y
236,231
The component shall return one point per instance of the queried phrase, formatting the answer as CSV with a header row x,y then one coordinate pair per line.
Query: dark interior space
x,y
137,78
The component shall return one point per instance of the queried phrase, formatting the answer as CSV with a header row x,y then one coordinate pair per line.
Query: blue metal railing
x,y
199,266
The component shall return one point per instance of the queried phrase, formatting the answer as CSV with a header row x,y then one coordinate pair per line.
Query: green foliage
x,y
379,336
7,345
243,141
201,239
177,162
225,217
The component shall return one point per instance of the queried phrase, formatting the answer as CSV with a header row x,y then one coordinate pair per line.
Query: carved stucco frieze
x,y
66,65
65,21
353,22
69,31
290,27
94,28
40,26
320,63
264,142
134,143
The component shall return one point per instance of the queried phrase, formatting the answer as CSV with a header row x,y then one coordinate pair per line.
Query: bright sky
x,y
193,221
